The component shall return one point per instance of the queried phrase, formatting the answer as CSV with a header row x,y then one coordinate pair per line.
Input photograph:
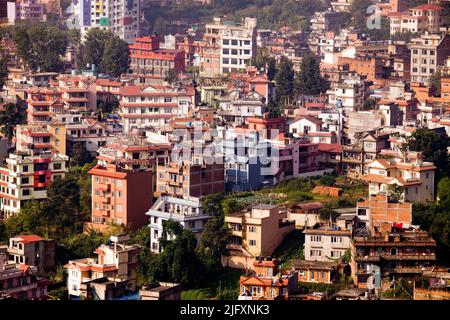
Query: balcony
x,y
367,258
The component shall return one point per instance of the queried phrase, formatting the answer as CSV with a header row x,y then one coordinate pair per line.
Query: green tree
x,y
171,77
435,83
443,192
178,262
285,81
79,156
309,80
433,147
40,46
358,11
271,68
159,26
106,51
395,192
3,68
116,57
215,237
11,116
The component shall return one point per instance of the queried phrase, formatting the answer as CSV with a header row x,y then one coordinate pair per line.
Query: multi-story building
x,y
267,282
153,106
43,104
116,262
89,132
37,138
236,108
362,150
326,243
79,93
229,46
425,17
27,177
32,250
31,10
191,178
120,196
397,252
348,94
377,210
341,5
256,232
187,211
122,17
428,53
412,173
149,60
260,155
21,281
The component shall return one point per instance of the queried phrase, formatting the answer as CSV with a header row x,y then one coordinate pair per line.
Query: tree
x,y
358,10
79,155
171,77
271,68
434,149
309,81
3,68
159,26
178,262
395,192
435,83
443,192
285,81
106,51
116,57
11,116
213,244
41,46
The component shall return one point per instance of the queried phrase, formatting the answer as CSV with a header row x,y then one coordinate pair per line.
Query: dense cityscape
x,y
224,150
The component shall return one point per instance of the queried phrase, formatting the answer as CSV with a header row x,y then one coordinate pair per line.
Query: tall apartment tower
x,y
119,16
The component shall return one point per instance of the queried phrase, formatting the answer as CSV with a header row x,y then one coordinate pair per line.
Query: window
x,y
316,238
119,207
226,41
226,51
119,183
336,239
57,166
119,194
251,229
234,42
252,243
26,192
25,169
316,253
26,180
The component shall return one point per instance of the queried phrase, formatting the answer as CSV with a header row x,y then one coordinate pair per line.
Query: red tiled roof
x,y
432,7
330,147
29,238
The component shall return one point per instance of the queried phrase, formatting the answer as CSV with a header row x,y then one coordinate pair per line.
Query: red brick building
x,y
148,60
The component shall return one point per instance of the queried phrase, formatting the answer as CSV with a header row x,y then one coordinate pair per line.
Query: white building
x,y
27,177
348,94
326,243
411,173
233,43
188,212
236,109
119,16
153,106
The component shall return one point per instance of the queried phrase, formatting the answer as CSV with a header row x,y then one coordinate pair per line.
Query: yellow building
x,y
257,232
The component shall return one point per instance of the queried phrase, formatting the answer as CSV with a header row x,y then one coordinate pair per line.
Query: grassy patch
x,y
291,247
223,286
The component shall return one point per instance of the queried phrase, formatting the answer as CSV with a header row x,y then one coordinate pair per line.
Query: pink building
x,y
25,10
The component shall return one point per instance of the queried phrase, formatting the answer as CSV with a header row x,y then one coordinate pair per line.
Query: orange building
x,y
120,197
43,103
377,210
267,282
